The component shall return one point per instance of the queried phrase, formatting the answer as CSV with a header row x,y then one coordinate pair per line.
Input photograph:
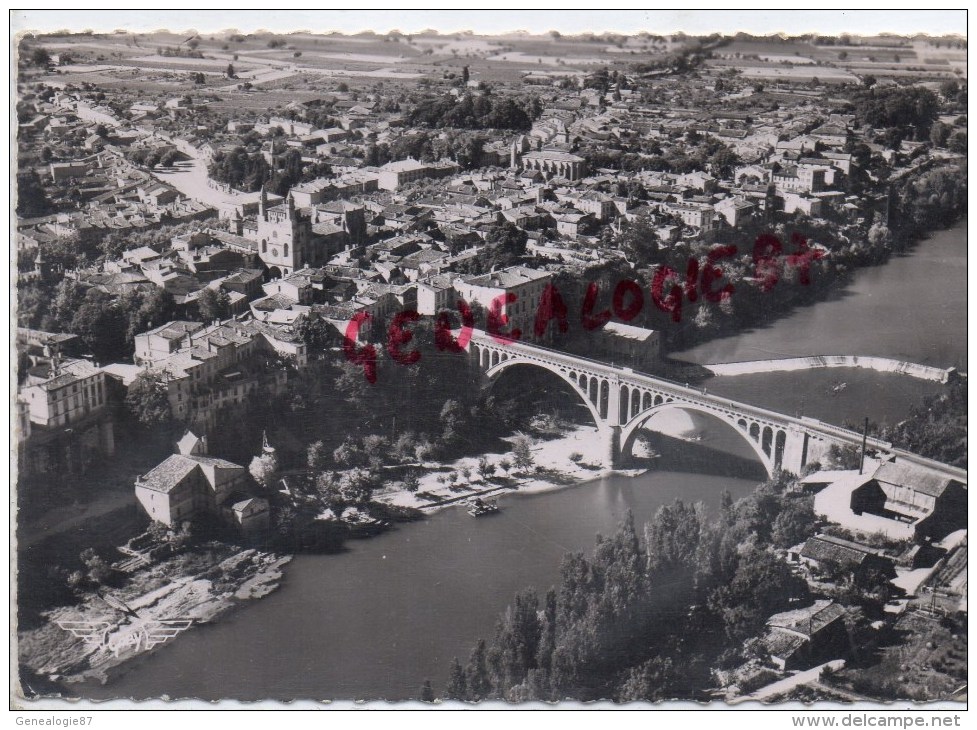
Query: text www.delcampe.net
x,y
867,720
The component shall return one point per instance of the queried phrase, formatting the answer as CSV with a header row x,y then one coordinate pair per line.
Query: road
x,y
785,685
191,179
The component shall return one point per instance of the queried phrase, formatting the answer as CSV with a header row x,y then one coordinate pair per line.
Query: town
x,y
280,293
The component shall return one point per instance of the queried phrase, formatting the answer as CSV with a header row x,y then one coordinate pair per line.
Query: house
x,y
61,171
696,215
434,294
190,486
512,294
159,343
73,390
555,163
736,211
625,344
394,175
859,560
806,204
43,346
935,504
805,637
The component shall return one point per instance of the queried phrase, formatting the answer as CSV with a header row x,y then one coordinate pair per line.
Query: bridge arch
x,y
630,429
587,389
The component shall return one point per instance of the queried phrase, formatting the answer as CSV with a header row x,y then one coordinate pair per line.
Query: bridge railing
x,y
693,394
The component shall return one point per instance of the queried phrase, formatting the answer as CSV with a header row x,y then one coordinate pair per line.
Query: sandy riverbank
x,y
92,639
554,470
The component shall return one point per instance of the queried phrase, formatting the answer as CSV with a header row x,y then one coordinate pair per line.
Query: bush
x,y
576,457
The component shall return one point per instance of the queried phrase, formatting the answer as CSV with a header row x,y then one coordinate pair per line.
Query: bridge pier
x,y
610,437
795,451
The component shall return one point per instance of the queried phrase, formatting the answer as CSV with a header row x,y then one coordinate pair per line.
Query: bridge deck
x,y
630,377
699,396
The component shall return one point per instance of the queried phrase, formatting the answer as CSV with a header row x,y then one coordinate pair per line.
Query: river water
x,y
377,620
912,308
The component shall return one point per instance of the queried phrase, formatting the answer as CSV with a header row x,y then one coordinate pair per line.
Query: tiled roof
x,y
921,481
822,548
808,621
169,474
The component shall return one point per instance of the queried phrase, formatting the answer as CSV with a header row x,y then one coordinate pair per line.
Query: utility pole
x,y
861,461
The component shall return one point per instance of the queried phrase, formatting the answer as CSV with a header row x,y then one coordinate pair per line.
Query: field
x,y
301,59
300,65
777,59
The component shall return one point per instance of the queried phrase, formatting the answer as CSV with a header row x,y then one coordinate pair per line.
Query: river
x,y
392,611
912,308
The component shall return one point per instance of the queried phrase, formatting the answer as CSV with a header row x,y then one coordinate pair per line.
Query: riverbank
x,y
554,469
872,314
95,638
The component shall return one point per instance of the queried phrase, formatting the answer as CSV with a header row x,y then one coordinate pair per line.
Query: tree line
x,y
480,111
649,614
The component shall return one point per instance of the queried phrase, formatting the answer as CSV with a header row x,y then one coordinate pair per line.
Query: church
x,y
291,238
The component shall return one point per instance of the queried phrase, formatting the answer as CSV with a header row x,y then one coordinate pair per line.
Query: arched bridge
x,y
621,401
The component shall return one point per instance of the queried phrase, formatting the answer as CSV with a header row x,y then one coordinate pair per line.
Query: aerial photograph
x,y
488,368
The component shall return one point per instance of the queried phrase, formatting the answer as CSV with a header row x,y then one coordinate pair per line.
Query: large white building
x,y
76,389
393,175
526,285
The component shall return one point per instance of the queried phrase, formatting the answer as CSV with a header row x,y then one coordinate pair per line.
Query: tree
x,y
648,682
102,326
477,675
958,142
327,491
317,456
356,486
762,584
315,332
522,453
40,57
32,201
795,523
213,304
949,89
485,468
457,687
147,400
349,453
427,692
939,134
99,571
264,469
639,241
230,71
412,482
880,236
170,158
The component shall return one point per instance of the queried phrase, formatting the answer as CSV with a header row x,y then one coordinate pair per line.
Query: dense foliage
x,y
647,619
937,429
481,111
911,108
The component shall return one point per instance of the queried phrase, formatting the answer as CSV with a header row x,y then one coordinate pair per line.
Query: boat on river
x,y
361,524
478,507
